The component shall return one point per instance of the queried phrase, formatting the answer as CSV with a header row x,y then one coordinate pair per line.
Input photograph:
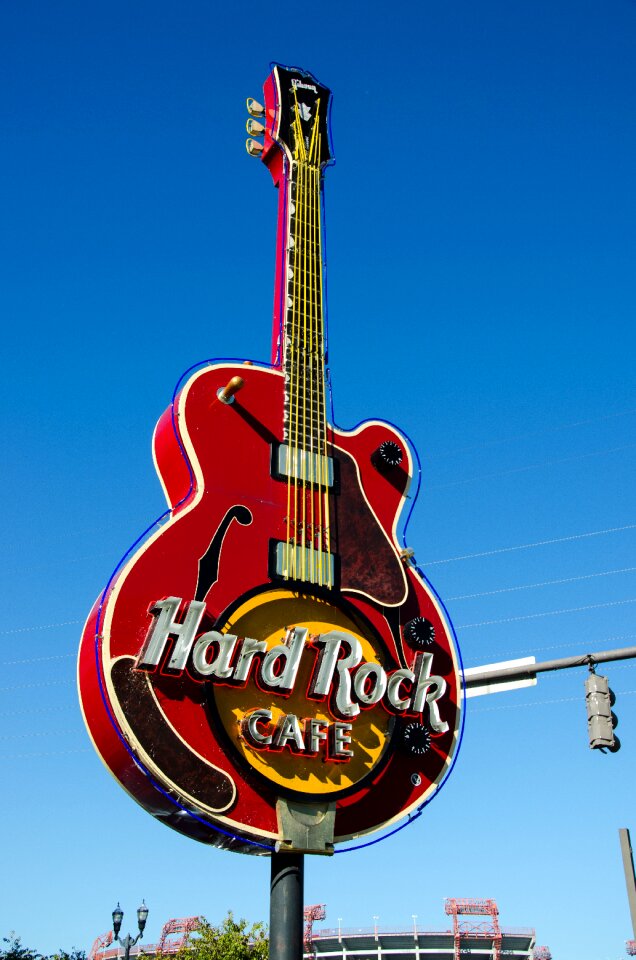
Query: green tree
x,y
13,949
231,940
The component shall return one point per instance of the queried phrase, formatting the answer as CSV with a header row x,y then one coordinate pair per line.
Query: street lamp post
x,y
375,927
414,916
128,941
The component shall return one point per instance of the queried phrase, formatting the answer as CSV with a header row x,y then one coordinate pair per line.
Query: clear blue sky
x,y
481,242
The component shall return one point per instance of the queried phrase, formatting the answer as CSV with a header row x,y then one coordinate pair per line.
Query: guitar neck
x,y
299,330
296,149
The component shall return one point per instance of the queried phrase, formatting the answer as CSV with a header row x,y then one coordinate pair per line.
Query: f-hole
x,y
209,562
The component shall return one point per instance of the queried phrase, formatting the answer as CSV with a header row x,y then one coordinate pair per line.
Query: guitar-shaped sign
x,y
270,670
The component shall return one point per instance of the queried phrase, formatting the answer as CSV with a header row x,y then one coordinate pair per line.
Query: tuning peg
x,y
253,147
254,128
254,108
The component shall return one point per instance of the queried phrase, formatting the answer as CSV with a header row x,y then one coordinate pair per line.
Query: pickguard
x,y
368,562
200,780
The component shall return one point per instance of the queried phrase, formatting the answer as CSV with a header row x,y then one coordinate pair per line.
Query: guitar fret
x,y
304,297
293,406
312,397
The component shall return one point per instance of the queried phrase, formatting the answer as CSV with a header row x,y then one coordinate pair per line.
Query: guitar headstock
x,y
294,119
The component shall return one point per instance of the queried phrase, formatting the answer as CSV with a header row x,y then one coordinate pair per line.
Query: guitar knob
x,y
389,454
416,739
419,633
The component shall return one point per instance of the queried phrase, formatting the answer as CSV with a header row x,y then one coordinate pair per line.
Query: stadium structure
x,y
474,931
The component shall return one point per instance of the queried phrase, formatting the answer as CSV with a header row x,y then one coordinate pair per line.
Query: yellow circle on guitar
x,y
323,771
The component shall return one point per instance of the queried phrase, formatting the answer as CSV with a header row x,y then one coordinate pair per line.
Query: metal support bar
x,y
532,669
305,827
630,879
286,906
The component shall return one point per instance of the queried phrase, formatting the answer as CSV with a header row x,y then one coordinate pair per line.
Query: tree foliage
x,y
231,940
13,949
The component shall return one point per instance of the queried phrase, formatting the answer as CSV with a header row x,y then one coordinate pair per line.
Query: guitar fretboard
x,y
303,328
304,457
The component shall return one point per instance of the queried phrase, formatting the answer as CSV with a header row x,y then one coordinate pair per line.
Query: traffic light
x,y
601,720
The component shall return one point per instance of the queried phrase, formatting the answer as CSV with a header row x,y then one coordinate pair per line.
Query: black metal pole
x,y
630,877
286,906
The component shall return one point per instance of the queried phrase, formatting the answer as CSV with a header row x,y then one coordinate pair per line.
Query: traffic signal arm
x,y
529,671
599,699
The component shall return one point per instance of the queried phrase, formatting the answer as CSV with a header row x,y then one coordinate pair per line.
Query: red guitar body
x,y
229,507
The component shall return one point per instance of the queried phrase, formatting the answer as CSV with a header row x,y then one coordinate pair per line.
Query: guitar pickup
x,y
303,465
307,564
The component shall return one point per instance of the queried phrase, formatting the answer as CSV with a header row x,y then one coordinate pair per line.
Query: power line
x,y
42,626
553,646
537,703
546,613
43,733
528,546
531,466
30,686
47,753
30,712
543,583
533,433
428,563
56,656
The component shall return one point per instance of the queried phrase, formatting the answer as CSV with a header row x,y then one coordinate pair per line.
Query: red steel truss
x,y
173,935
316,911
100,944
485,929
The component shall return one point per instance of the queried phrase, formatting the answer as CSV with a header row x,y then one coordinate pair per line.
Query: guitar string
x,y
312,335
325,463
307,387
322,492
287,372
313,361
315,373
293,399
292,360
295,466
307,378
323,476
290,385
298,568
325,456
320,362
303,385
286,347
317,367
307,429
296,325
